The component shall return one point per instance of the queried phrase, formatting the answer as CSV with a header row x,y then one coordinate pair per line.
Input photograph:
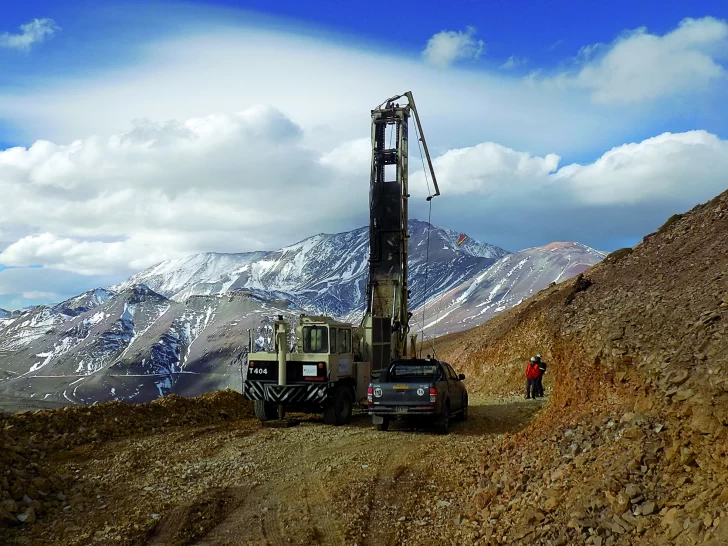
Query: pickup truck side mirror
x,y
461,377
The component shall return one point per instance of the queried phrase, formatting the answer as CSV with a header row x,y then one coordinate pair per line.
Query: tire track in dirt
x,y
271,528
394,494
187,524
323,529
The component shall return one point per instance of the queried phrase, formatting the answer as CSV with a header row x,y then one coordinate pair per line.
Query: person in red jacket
x,y
532,374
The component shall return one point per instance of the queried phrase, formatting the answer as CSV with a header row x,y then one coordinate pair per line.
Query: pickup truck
x,y
423,388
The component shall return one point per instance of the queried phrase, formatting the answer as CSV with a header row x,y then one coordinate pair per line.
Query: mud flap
x,y
377,419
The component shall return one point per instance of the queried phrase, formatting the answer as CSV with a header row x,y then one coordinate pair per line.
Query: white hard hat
x,y
533,359
538,356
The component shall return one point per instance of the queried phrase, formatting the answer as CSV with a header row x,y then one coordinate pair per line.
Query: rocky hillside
x,y
507,283
632,447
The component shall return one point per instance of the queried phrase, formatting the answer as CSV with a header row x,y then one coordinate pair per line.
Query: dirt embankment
x,y
633,446
30,485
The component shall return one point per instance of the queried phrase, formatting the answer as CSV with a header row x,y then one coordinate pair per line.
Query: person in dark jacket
x,y
532,373
539,379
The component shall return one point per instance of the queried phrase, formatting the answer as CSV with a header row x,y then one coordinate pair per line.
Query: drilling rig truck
x,y
333,363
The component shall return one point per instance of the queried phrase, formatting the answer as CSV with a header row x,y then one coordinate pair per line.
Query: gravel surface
x,y
238,483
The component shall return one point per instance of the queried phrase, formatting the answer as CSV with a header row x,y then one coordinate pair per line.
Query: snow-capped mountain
x,y
84,302
4,314
507,283
134,345
325,274
20,328
182,326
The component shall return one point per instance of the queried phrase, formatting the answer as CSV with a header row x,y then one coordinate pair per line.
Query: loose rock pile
x,y
27,489
607,480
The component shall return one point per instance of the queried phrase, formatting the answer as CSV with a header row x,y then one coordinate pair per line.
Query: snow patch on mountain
x,y
325,274
507,283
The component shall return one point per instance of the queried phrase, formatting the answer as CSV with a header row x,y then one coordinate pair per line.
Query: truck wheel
x,y
384,426
338,410
265,411
442,426
464,413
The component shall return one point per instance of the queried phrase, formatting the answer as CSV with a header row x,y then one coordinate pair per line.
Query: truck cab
x,y
320,375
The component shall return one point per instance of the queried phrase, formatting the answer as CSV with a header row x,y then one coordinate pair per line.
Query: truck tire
x,y
265,411
384,426
338,410
442,425
463,415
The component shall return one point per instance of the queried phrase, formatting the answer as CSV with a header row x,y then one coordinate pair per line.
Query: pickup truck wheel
x,y
384,426
338,410
464,413
265,411
443,423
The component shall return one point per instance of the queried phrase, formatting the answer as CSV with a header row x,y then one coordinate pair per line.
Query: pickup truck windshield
x,y
414,372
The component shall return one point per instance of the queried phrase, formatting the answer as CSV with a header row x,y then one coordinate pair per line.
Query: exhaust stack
x,y
281,333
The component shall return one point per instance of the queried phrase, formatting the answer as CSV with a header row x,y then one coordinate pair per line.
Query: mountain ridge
x,y
321,272
181,326
507,283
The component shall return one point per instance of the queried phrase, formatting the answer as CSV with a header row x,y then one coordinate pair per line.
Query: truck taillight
x,y
433,395
370,394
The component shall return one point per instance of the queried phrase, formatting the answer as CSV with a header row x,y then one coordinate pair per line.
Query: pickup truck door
x,y
455,387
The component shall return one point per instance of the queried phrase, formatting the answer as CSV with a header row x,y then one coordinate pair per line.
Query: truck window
x,y
403,371
332,340
450,372
344,341
315,339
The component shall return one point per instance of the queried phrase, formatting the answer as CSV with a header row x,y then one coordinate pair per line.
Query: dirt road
x,y
238,483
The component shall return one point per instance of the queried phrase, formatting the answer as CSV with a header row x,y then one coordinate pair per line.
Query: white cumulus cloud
x,y
31,33
680,168
516,199
219,183
639,66
448,46
485,169
112,206
83,257
672,167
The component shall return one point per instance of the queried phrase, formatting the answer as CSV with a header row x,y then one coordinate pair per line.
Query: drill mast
x,y
387,315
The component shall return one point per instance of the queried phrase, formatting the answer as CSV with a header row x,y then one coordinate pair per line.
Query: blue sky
x,y
542,31
133,132
546,35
